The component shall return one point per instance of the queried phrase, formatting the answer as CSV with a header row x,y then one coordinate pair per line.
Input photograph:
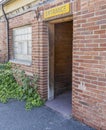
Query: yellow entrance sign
x,y
59,10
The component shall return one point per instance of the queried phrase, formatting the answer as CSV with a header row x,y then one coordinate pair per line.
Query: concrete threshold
x,y
62,104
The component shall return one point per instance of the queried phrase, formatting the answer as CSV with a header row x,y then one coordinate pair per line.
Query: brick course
x,y
89,102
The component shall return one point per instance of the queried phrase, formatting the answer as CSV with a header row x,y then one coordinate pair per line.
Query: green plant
x,y
7,82
15,84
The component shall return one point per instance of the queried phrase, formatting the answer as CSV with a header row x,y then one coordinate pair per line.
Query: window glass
x,y
22,40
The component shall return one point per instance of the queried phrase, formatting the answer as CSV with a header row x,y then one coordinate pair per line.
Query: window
x,y
22,40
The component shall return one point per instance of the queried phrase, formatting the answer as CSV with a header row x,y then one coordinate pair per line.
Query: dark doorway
x,y
63,58
60,67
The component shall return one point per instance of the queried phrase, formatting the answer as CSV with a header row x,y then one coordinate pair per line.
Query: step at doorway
x,y
62,104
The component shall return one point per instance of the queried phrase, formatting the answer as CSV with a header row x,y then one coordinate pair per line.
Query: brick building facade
x,y
85,26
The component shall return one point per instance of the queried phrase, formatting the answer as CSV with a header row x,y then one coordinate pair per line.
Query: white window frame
x,y
23,57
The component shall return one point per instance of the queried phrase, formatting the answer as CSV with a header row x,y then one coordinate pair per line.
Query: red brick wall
x,y
3,45
89,62
39,47
89,57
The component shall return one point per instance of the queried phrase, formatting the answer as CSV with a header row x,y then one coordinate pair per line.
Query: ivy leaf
x,y
30,91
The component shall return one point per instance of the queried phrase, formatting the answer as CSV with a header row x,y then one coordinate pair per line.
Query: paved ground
x,y
14,117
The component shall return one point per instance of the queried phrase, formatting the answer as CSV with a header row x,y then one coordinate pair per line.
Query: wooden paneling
x,y
63,57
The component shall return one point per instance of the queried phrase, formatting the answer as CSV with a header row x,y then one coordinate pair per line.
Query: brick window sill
x,y
21,62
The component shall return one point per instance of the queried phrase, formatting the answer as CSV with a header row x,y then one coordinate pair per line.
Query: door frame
x,y
51,30
51,57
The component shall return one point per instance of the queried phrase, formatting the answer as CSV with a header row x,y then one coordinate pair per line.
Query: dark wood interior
x,y
63,57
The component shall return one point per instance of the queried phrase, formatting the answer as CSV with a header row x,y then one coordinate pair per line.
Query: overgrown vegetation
x,y
15,84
